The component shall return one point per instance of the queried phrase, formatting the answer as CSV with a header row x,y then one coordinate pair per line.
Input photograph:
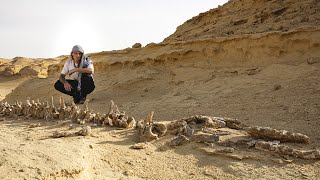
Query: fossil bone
x,y
85,131
281,135
145,129
286,150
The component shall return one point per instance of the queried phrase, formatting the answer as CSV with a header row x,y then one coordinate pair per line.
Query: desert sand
x,y
254,61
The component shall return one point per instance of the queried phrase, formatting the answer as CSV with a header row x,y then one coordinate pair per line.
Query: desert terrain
x,y
254,61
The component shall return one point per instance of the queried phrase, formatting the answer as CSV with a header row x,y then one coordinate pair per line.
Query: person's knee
x,y
92,88
55,85
88,89
58,85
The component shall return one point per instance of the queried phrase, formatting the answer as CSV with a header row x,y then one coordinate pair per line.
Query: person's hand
x,y
67,86
73,71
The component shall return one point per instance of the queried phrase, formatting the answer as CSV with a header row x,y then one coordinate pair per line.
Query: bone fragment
x,y
286,150
281,135
85,131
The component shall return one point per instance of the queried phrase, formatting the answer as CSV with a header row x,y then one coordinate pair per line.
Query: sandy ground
x,y
33,153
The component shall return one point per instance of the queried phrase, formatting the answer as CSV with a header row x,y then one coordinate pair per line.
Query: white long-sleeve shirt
x,y
69,65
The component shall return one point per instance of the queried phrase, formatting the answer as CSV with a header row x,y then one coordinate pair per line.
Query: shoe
x,y
77,97
76,100
82,100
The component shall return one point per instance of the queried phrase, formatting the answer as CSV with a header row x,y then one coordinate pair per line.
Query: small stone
x,y
288,160
90,146
139,146
276,87
207,173
21,170
279,161
58,134
180,140
313,60
85,131
94,125
130,163
35,125
128,173
225,150
163,148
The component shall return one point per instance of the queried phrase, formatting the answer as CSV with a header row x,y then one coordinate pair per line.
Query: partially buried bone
x,y
286,150
281,135
148,130
85,131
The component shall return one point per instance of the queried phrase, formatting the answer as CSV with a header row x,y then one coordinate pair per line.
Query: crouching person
x,y
79,71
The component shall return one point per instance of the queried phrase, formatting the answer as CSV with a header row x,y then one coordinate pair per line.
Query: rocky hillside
x,y
157,72
239,17
27,67
183,73
241,32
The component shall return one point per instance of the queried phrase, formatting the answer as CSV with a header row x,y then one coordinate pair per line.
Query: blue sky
x,y
43,28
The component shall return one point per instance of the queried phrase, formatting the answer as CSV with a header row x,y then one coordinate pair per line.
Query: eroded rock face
x,y
32,71
247,20
27,67
137,45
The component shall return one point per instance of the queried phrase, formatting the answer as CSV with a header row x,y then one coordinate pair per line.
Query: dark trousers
x,y
87,86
